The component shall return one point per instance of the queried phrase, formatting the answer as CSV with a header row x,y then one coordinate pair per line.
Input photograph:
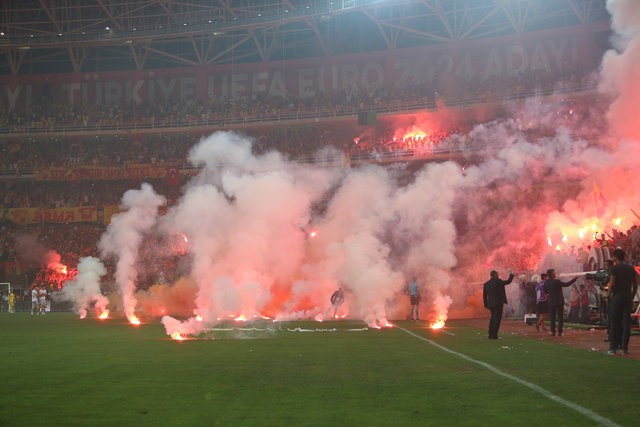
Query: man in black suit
x,y
553,287
623,286
495,297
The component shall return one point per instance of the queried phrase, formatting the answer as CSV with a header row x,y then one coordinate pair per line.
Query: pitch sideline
x,y
545,393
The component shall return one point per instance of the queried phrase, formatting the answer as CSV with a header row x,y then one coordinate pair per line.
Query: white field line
x,y
545,393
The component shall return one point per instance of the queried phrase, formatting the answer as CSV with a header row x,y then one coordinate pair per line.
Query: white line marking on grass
x,y
545,393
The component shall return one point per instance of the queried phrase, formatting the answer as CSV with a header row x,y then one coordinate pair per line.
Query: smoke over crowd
x,y
265,237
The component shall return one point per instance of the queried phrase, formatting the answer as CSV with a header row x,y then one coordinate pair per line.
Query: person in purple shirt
x,y
541,303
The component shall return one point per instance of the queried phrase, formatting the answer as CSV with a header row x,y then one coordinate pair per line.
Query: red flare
x,y
133,319
176,336
439,324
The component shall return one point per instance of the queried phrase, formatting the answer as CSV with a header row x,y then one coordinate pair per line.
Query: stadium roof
x,y
41,36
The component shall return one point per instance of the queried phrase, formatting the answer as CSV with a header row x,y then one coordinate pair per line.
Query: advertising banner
x,y
555,51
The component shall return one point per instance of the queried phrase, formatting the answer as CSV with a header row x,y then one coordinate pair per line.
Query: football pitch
x,y
62,371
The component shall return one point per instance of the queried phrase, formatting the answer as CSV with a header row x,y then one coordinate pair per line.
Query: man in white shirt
x,y
35,307
42,299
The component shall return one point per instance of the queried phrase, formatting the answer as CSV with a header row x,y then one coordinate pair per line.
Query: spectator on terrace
x,y
583,257
602,241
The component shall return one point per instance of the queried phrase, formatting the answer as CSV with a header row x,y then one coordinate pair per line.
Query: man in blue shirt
x,y
413,289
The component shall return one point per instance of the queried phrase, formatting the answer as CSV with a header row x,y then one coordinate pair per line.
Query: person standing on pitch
x,y
42,300
12,302
623,285
554,286
541,303
35,307
494,298
337,298
413,289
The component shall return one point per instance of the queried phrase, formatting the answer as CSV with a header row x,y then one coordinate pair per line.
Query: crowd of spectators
x,y
45,149
295,142
22,157
50,114
19,156
628,240
385,140
70,241
50,194
591,255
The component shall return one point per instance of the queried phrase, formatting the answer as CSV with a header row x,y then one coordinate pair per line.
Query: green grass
x,y
63,371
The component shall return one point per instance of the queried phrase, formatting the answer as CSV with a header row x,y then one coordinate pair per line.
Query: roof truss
x,y
39,36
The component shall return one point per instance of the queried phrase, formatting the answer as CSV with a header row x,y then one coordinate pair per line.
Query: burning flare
x,y
176,336
133,319
438,324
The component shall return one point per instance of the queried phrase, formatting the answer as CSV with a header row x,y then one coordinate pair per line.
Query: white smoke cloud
x,y
124,235
621,67
248,221
84,291
554,171
247,217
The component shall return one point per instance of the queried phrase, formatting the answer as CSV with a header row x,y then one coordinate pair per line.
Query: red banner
x,y
559,50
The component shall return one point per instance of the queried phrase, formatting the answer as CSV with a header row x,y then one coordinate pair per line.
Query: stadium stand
x,y
50,146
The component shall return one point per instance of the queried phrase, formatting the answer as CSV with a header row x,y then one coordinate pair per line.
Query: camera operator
x,y
622,287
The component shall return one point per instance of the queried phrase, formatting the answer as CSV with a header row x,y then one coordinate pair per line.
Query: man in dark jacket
x,y
623,286
554,286
495,297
